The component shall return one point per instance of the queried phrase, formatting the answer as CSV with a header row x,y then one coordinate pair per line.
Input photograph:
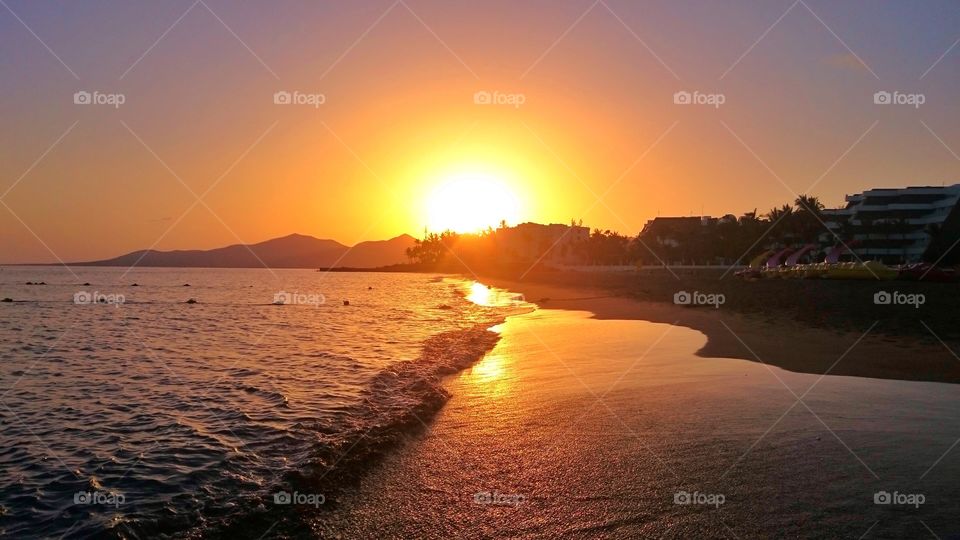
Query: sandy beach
x,y
779,341
601,418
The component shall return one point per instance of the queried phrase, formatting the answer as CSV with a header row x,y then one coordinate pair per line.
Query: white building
x,y
895,225
553,243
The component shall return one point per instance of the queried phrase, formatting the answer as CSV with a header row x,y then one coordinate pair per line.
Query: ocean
x,y
210,402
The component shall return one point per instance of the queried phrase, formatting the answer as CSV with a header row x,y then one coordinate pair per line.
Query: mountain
x,y
293,251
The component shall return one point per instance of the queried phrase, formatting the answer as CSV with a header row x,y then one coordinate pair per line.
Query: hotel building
x,y
898,225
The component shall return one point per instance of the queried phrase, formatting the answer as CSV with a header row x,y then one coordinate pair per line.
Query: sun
x,y
470,202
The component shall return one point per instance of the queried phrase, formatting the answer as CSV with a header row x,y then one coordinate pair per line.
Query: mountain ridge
x,y
291,251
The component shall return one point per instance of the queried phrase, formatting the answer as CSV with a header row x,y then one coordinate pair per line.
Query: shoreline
x,y
794,347
588,421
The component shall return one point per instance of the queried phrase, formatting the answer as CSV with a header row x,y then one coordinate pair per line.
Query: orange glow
x,y
492,368
470,202
480,294
401,121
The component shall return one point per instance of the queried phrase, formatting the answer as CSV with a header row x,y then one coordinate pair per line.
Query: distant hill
x,y
293,251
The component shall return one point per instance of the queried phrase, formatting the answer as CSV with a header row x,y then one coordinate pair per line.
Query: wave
x,y
398,402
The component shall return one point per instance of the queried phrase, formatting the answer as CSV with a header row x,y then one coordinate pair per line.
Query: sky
x,y
570,105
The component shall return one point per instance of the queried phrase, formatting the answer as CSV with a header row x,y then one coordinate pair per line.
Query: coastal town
x,y
880,233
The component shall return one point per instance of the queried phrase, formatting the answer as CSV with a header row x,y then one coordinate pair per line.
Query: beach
x,y
799,325
598,417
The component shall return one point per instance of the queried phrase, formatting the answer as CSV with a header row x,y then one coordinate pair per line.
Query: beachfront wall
x,y
898,225
600,268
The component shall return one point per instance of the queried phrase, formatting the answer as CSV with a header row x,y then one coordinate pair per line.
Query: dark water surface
x,y
127,411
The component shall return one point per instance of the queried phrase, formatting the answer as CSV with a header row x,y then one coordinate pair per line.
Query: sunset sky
x,y
591,113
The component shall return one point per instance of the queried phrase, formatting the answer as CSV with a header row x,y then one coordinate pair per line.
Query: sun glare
x,y
479,294
471,202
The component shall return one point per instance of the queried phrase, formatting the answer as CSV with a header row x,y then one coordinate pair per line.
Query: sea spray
x,y
399,402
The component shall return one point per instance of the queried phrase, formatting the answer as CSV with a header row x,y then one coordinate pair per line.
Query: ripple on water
x,y
195,413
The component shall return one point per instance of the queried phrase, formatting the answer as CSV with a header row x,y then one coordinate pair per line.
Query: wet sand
x,y
578,426
792,346
819,303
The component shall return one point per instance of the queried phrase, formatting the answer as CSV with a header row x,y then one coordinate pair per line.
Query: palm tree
x,y
780,220
776,214
749,235
808,203
808,218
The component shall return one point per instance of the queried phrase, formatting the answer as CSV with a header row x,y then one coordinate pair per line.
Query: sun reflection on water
x,y
480,294
485,296
493,377
489,369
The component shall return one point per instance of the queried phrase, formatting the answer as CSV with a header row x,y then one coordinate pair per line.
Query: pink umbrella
x,y
792,260
836,251
774,261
